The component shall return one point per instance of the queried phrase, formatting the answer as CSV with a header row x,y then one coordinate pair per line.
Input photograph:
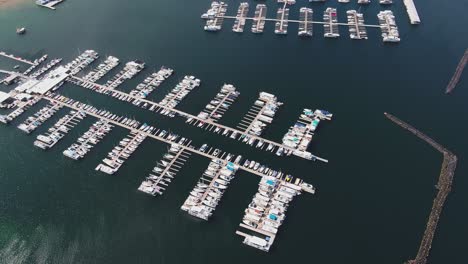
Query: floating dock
x,y
59,130
261,113
88,140
281,26
44,69
209,190
258,23
215,16
82,61
206,123
33,122
412,12
217,107
299,136
357,30
305,21
132,125
330,27
177,94
267,211
35,64
305,26
151,83
165,170
122,152
458,72
388,26
20,108
102,69
131,69
242,12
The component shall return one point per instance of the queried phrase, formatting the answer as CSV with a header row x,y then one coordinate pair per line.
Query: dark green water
x,y
373,197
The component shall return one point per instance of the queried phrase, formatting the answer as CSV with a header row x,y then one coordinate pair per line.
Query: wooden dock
x,y
444,186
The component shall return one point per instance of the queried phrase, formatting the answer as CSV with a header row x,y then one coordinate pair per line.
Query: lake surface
x,y
373,197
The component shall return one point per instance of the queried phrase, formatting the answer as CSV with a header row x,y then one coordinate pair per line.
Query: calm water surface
x,y
373,197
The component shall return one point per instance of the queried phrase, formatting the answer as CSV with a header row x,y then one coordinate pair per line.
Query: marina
x,y
330,22
165,170
267,211
250,127
59,130
151,83
122,152
210,188
388,26
33,122
242,12
217,107
259,115
88,140
205,151
357,30
207,124
102,69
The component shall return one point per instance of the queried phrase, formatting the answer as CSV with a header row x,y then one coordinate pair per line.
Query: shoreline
x,y
11,3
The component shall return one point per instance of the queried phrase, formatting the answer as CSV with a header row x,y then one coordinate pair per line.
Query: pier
x,y
83,60
412,12
242,12
33,122
166,169
305,21
218,106
133,124
156,107
131,69
102,69
16,58
458,72
209,190
122,152
88,140
444,186
20,109
267,211
151,83
59,130
263,111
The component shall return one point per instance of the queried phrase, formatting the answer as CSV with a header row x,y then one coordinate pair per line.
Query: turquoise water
x,y
373,197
